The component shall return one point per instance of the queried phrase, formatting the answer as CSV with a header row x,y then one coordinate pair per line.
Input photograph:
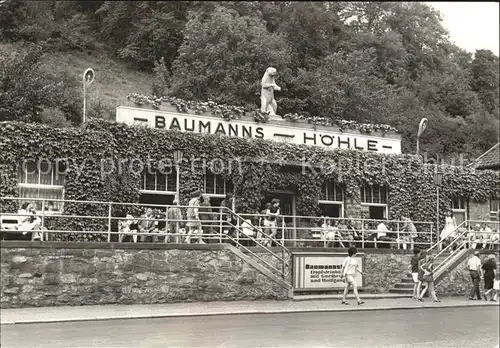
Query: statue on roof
x,y
268,104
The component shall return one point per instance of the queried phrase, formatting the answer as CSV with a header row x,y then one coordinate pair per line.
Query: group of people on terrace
x,y
347,232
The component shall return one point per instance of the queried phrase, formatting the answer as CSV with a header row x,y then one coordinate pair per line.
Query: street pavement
x,y
473,326
147,311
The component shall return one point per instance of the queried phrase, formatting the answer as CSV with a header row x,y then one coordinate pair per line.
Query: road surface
x,y
434,327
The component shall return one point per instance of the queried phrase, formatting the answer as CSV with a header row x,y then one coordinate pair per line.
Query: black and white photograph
x,y
243,174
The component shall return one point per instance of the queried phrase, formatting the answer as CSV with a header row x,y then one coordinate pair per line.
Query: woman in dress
x,y
349,269
489,273
427,268
448,231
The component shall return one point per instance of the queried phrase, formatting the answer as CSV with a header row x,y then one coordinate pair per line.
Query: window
x,y
158,187
155,182
494,204
374,194
375,197
41,180
331,199
459,209
215,186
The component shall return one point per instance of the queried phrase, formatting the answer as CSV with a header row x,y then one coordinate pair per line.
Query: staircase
x,y
405,286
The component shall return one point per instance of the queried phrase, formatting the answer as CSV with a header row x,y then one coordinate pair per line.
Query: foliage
x,y
369,62
162,78
224,56
254,166
25,89
485,71
59,23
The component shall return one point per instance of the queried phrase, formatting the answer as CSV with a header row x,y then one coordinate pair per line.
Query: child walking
x,y
349,269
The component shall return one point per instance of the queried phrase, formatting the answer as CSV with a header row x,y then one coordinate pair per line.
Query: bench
x,y
9,224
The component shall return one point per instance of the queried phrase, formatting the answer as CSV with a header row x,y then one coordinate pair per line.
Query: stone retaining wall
x,y
51,274
55,274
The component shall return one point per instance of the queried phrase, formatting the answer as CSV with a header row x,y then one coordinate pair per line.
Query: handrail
x,y
440,241
458,241
285,261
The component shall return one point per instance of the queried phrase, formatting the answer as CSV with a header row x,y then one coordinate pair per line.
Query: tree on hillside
x,y
26,90
346,86
144,31
58,24
419,25
485,79
224,56
313,32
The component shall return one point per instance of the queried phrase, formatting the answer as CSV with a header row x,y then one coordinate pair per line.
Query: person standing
x,y
489,268
474,268
147,225
272,216
174,217
428,279
193,219
448,232
415,261
349,269
411,231
206,218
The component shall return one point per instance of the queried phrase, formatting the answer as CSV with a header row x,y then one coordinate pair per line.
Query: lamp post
x,y
88,78
438,178
177,158
421,128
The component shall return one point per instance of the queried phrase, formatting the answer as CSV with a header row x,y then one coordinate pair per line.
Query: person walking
x,y
428,279
349,269
415,261
489,269
474,268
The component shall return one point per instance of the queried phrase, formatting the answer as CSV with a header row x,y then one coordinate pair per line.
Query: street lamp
x,y
438,179
421,128
88,78
177,158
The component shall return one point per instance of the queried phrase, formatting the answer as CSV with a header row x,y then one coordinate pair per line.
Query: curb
x,y
241,312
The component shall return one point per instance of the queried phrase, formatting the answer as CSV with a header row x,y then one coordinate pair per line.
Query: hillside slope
x,y
113,82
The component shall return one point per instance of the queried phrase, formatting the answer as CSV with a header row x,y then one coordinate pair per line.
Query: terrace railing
x,y
325,231
215,225
464,236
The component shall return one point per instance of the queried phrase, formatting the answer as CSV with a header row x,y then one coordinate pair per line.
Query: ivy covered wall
x,y
254,166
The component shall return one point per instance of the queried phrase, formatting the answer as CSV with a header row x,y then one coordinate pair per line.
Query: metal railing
x,y
326,231
213,224
466,238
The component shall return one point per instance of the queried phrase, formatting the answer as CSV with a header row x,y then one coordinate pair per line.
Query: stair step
x,y
404,285
401,291
407,280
